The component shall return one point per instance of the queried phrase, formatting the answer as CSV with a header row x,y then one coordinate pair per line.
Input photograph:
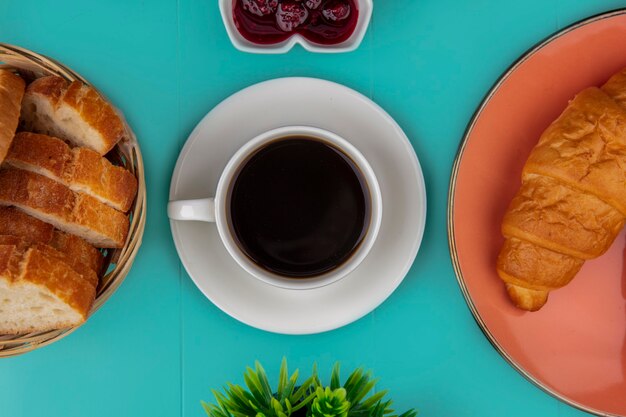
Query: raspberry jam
x,y
325,22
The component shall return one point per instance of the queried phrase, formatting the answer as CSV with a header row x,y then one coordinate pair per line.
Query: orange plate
x,y
575,347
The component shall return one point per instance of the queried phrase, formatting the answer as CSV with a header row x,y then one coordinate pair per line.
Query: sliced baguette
x,y
80,169
73,112
62,254
11,93
78,250
38,291
83,270
54,203
15,222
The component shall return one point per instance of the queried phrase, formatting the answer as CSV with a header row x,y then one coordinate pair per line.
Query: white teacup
x,y
214,210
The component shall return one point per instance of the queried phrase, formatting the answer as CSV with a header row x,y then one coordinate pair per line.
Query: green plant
x,y
311,398
259,400
328,402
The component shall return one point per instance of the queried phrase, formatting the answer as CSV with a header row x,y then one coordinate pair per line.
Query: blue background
x,y
158,346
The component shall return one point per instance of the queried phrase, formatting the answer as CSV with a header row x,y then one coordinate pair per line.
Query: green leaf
x,y
305,402
276,406
381,408
306,385
288,392
374,399
354,376
222,400
210,410
334,377
238,398
314,375
355,384
240,414
282,379
362,391
262,377
255,387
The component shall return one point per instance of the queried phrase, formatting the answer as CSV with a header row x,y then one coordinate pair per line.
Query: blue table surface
x,y
158,346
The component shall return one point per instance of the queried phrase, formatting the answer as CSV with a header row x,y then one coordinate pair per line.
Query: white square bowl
x,y
350,44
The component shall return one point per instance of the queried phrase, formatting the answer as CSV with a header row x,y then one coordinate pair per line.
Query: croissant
x,y
572,201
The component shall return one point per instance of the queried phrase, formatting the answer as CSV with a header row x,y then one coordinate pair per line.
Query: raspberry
x,y
313,4
290,15
260,7
337,11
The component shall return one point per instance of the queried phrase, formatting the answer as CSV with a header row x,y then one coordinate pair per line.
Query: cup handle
x,y
202,210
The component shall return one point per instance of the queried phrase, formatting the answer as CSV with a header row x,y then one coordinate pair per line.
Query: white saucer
x,y
323,104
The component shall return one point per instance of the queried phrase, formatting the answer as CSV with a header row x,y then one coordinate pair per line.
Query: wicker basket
x,y
126,153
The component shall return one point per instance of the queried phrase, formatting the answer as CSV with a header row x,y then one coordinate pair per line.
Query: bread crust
x,y
80,169
50,156
58,277
73,213
95,112
616,88
525,298
69,258
17,223
11,93
78,251
49,102
585,148
10,259
523,263
50,86
45,271
555,216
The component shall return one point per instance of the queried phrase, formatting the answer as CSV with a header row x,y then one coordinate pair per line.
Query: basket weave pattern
x,y
127,154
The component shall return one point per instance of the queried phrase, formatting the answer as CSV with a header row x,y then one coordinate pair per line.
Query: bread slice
x,y
73,112
54,203
78,250
61,254
15,222
11,93
38,291
80,169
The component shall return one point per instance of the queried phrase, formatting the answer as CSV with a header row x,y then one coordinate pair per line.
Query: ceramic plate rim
x,y
416,243
451,197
